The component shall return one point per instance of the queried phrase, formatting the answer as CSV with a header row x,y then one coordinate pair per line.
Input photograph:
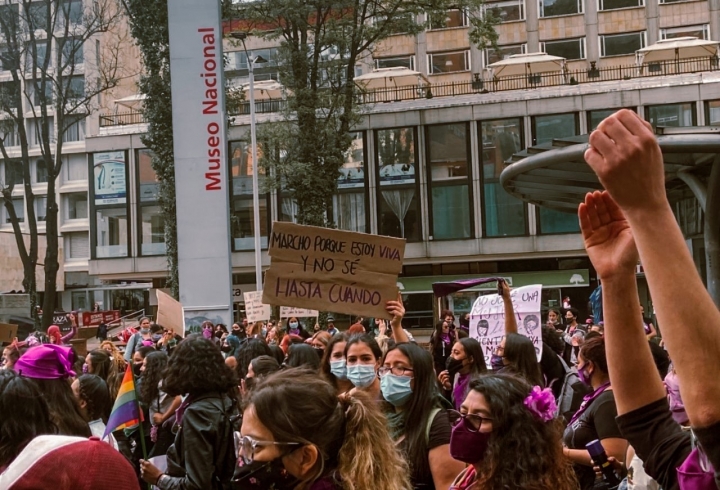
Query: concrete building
x,y
427,169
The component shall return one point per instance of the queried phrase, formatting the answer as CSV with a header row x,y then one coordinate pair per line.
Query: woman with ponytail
x,y
289,440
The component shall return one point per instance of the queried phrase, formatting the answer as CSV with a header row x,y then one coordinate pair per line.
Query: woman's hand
x,y
444,378
149,472
396,310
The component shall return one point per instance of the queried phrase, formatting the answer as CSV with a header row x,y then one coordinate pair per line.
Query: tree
x,y
321,41
55,81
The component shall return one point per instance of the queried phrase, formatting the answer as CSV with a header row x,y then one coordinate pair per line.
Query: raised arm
x,y
611,248
397,312
510,320
628,161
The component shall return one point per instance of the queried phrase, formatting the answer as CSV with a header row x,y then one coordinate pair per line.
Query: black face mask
x,y
453,366
225,347
136,369
320,352
268,475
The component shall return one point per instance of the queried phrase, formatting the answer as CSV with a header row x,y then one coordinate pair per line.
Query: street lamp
x,y
241,36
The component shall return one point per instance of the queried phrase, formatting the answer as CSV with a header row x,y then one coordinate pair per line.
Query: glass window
x,y
35,132
75,131
41,48
75,168
13,173
398,204
19,205
503,214
620,4
673,115
71,10
596,117
152,231
549,8
403,61
570,49
111,233
545,129
77,245
37,15
449,181
76,205
76,88
621,44
40,208
288,210
72,50
399,24
503,52
712,109
449,62
349,205
507,11
9,95
9,133
453,18
701,31
10,16
242,168
147,178
242,224
36,90
41,174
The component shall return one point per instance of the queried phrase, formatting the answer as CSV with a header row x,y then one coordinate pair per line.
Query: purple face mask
x,y
85,369
583,376
468,446
496,362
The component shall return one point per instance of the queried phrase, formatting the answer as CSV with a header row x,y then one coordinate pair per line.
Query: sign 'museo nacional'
x,y
199,122
332,270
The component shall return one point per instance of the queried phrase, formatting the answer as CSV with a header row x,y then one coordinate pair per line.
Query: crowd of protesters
x,y
282,405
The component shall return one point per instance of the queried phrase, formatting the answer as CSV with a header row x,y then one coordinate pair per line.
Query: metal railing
x,y
480,85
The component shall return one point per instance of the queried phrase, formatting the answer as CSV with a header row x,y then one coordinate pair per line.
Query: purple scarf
x,y
460,390
445,337
588,400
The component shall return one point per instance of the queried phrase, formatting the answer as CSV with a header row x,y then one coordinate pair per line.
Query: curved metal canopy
x,y
555,175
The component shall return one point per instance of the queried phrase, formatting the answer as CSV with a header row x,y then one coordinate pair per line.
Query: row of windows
x,y
75,132
73,206
572,49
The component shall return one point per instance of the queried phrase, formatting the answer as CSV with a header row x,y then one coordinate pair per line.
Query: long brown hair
x,y
349,432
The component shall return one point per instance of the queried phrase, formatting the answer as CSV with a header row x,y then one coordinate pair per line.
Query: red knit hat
x,y
69,463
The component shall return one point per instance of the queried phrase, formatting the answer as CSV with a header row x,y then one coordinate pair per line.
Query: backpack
x,y
227,458
572,393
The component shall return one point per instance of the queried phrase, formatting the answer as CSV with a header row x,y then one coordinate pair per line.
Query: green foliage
x,y
149,27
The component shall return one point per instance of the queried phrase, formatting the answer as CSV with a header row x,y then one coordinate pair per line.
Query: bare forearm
x,y
510,320
633,375
690,319
398,333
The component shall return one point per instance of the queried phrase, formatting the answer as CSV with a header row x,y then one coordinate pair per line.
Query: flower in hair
x,y
541,403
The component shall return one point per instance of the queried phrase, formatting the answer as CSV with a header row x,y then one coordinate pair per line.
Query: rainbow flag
x,y
126,412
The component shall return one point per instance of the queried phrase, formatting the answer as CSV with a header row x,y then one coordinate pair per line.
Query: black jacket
x,y
203,456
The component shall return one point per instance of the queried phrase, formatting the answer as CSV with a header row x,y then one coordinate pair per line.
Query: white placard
x,y
255,309
487,319
289,312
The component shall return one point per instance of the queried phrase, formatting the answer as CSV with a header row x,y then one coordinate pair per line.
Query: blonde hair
x,y
117,359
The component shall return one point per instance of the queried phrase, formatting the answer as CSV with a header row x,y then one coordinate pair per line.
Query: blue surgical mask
x,y
338,369
293,324
396,389
361,375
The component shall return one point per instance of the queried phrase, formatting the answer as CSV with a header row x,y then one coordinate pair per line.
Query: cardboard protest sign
x,y
8,333
170,312
487,319
332,270
289,312
255,310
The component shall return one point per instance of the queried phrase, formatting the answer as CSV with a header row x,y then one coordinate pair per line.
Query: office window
x,y
712,113
37,15
551,8
503,214
673,115
452,18
72,10
111,233
36,89
398,204
41,175
596,117
10,15
40,208
620,4
35,130
75,167
449,181
506,11
288,209
570,49
19,206
152,231
545,129
9,96
41,53
491,55
75,130
9,134
404,61
700,31
72,51
77,245
76,205
147,178
622,44
449,62
241,221
349,204
76,88
399,25
13,173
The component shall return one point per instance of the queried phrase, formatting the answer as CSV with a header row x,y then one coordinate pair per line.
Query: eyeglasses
x,y
472,421
245,446
396,370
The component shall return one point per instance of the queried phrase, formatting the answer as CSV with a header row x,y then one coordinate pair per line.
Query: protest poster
x,y
255,309
487,319
8,332
332,270
290,312
170,312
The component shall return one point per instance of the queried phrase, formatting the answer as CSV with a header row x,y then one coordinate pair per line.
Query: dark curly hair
x,y
552,339
250,350
155,365
94,391
538,462
24,414
197,367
